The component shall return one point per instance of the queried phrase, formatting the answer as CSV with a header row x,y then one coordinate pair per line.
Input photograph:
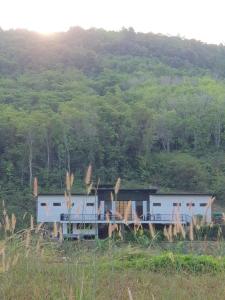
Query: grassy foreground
x,y
73,270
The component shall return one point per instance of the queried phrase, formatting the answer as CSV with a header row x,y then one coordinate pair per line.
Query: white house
x,y
89,215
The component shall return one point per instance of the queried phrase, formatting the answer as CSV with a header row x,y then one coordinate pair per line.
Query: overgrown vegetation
x,y
37,268
118,267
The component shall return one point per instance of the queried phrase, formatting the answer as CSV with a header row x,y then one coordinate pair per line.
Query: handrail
x,y
114,217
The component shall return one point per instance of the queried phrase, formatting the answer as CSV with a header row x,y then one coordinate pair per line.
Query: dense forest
x,y
148,108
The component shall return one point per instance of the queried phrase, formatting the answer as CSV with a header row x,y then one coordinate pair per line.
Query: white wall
x,y
168,208
51,213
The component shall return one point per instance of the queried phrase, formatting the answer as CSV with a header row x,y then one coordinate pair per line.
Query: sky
x,y
199,19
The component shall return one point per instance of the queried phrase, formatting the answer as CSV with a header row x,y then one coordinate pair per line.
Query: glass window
x,y
203,204
157,204
43,204
176,204
57,204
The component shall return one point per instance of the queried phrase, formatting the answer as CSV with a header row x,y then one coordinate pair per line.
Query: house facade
x,y
89,215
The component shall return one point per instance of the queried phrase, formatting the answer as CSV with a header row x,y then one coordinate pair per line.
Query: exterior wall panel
x,y
82,206
167,205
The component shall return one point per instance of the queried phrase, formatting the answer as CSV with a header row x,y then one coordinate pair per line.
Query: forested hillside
x,y
146,107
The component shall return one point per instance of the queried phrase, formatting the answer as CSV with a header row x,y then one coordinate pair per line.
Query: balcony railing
x,y
153,218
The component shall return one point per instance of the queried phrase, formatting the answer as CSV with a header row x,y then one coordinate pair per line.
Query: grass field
x,y
106,270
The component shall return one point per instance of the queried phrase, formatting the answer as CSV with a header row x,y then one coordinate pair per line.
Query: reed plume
x,y
35,187
117,186
88,175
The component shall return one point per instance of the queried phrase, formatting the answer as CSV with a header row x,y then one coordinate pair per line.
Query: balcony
x,y
149,218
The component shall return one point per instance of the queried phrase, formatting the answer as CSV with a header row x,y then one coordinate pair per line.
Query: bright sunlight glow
x,y
199,19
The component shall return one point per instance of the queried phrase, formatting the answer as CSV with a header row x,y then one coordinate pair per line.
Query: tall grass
x,y
142,264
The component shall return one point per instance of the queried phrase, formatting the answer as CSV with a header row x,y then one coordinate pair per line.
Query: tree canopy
x,y
148,108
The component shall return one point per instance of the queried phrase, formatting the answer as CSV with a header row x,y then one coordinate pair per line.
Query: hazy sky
x,y
199,19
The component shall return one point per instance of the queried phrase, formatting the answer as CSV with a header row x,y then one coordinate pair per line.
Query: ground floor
x,y
102,230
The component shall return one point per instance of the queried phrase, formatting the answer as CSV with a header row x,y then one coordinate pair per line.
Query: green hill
x,y
148,108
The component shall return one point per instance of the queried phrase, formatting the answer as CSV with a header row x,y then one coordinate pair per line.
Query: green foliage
x,y
145,107
170,262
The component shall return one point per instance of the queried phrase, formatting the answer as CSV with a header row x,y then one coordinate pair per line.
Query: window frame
x,y
57,204
155,204
175,204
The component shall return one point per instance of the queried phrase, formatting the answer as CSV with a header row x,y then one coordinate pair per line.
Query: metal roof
x,y
183,194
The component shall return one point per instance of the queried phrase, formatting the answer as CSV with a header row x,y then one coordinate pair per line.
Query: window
x,y
90,204
156,204
176,204
190,204
43,204
203,204
57,204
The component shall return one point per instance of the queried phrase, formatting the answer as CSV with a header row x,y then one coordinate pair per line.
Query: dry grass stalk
x,y
71,294
78,210
89,188
111,196
38,247
88,175
31,223
117,186
118,215
107,216
13,223
7,223
137,220
191,232
4,212
120,232
152,231
208,206
194,221
2,253
182,231
55,230
60,234
69,181
178,226
219,233
35,188
137,227
170,233
15,259
223,217
38,227
28,239
175,231
68,200
100,208
127,212
129,294
111,229
166,234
